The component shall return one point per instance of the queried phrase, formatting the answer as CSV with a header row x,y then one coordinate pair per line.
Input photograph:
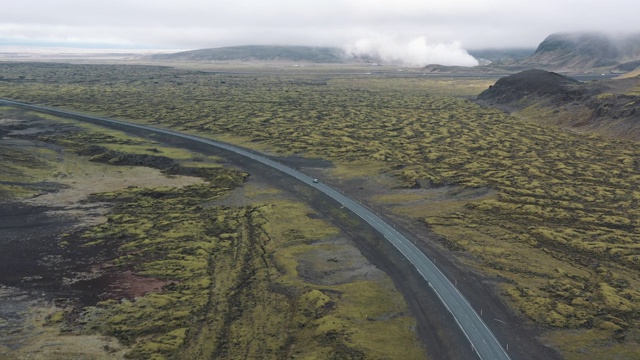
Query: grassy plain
x,y
560,225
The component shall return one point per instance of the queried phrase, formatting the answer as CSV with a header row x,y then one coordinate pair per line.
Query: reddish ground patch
x,y
129,285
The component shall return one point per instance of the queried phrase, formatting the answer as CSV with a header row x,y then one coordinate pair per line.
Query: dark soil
x,y
296,162
32,257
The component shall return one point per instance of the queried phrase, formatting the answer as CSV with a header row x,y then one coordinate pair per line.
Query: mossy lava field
x,y
242,270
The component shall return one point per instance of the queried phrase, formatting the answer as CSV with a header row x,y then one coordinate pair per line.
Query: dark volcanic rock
x,y
610,107
531,83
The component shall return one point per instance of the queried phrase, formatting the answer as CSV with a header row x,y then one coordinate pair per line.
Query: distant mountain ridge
x,y
258,53
568,53
583,51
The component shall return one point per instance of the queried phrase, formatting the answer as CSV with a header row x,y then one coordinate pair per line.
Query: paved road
x,y
482,340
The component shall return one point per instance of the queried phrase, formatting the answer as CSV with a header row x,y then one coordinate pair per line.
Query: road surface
x,y
480,337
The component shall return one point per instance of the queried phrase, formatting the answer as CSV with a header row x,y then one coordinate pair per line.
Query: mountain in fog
x,y
258,53
573,52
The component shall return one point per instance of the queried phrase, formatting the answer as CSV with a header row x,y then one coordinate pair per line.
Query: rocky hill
x,y
258,53
609,107
573,52
520,90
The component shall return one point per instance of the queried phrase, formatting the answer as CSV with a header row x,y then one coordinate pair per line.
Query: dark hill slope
x,y
577,50
609,107
258,53
571,52
512,91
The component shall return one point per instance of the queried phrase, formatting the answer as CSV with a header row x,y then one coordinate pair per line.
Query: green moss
x,y
56,317
604,96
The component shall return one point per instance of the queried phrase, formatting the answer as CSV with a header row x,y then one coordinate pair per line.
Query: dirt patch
x,y
297,161
129,285
251,192
335,262
96,178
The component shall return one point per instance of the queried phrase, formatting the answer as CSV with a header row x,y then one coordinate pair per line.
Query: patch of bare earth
x,y
97,178
335,261
129,285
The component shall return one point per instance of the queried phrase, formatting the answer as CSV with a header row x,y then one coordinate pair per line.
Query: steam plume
x,y
415,52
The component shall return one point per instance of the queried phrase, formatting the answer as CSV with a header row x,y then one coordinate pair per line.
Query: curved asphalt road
x,y
482,340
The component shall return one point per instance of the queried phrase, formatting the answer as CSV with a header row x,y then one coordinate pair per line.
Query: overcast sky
x,y
193,24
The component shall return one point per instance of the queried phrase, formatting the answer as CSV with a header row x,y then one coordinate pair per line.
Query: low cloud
x,y
414,52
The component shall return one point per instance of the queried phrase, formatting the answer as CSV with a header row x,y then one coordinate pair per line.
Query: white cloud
x,y
212,23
